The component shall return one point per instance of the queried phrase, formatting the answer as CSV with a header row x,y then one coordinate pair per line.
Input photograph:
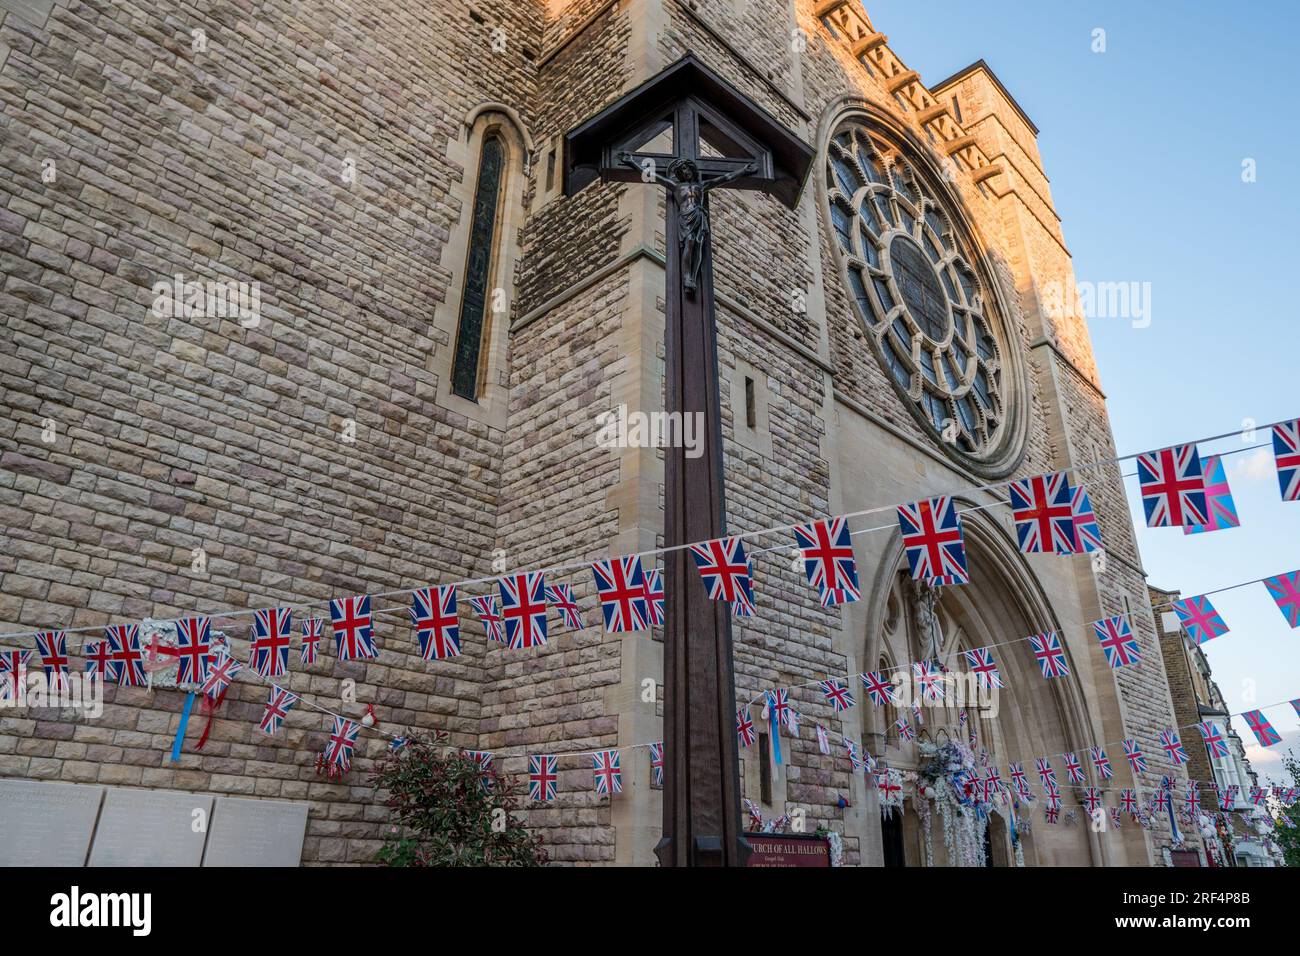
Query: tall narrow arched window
x,y
468,365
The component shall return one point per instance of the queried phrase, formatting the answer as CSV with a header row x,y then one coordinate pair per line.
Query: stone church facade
x,y
439,329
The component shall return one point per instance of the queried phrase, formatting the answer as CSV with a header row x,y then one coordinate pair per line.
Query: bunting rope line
x,y
762,693
957,655
572,566
1083,748
307,607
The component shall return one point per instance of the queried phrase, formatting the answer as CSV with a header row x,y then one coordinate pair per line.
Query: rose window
x,y
930,321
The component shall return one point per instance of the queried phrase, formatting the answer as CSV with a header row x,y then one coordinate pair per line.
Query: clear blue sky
x,y
1143,145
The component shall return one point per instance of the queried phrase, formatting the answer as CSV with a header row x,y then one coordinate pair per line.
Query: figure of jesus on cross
x,y
689,189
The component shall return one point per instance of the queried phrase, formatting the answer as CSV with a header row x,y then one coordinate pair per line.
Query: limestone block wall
x,y
181,433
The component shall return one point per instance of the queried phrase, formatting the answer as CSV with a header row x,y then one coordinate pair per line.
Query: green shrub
x,y
449,812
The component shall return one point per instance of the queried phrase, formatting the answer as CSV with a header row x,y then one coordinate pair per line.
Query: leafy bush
x,y
449,812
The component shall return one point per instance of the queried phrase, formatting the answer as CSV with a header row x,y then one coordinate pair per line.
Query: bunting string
x,y
1165,477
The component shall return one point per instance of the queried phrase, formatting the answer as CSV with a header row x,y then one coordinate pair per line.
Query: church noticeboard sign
x,y
788,849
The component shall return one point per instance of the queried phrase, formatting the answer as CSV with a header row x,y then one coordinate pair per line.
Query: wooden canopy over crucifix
x,y
690,131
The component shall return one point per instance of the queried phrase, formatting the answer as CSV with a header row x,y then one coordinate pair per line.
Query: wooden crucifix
x,y
691,132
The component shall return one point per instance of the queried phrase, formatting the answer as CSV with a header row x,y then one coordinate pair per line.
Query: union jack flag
x,y
1213,736
851,749
193,649
1199,619
124,641
353,628
437,625
828,560
1052,793
1218,499
724,569
879,688
486,608
823,740
1136,759
985,668
1092,799
560,597
1285,591
221,671
99,660
621,589
1115,817
542,777
1258,796
1160,801
657,764
1073,767
483,760
992,785
744,727
269,648
837,694
1101,763
338,751
778,705
1050,654
277,708
53,648
523,605
1045,772
1286,452
654,593
933,540
1263,730
1228,798
755,814
1044,514
1128,802
905,731
609,778
1052,811
1019,781
1117,641
1173,747
930,679
1173,487
1086,530
743,606
13,663
312,629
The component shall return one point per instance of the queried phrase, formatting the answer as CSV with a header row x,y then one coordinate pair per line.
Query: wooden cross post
x,y
684,108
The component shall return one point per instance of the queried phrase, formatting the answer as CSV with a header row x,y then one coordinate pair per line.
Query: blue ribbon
x,y
180,731
774,727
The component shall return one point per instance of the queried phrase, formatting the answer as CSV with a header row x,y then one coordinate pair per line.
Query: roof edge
x,y
982,64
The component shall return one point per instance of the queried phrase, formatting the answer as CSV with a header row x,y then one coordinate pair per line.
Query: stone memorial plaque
x,y
150,828
46,824
256,833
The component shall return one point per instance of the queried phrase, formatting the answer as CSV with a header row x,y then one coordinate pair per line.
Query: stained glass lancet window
x,y
467,363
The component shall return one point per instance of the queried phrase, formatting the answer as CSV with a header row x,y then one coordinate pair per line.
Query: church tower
x,y
836,399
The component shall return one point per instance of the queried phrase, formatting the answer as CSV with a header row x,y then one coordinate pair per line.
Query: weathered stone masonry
x,y
175,434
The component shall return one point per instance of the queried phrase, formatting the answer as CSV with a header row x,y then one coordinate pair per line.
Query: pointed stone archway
x,y
1031,716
